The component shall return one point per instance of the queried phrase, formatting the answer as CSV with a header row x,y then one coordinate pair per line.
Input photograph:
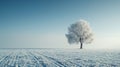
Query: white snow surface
x,y
59,58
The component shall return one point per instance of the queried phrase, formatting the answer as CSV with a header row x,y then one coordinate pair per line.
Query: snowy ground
x,y
59,58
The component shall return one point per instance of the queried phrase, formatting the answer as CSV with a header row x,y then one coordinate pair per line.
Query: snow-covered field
x,y
59,58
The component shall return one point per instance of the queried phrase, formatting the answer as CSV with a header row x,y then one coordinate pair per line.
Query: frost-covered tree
x,y
79,32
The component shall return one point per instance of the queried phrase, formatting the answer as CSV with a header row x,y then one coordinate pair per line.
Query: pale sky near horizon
x,y
44,23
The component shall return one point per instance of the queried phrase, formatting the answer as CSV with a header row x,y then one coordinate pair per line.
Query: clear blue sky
x,y
43,23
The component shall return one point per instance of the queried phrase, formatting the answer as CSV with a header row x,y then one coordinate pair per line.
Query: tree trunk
x,y
81,45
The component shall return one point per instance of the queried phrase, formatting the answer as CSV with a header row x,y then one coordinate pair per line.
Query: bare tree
x,y
80,32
